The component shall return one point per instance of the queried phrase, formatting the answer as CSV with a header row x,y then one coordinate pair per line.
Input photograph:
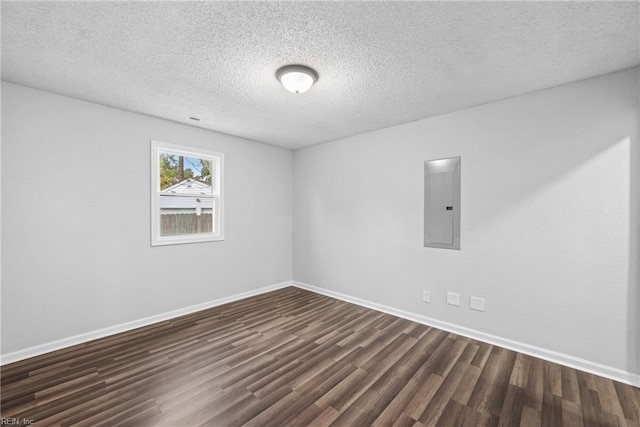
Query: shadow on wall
x,y
544,172
633,296
580,204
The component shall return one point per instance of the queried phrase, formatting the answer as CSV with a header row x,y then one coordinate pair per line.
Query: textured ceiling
x,y
380,63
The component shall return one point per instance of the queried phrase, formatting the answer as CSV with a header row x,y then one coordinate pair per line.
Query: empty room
x,y
320,213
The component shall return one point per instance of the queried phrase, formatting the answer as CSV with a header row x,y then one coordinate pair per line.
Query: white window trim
x,y
158,147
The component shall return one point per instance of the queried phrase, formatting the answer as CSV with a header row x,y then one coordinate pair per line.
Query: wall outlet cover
x,y
476,303
426,296
453,298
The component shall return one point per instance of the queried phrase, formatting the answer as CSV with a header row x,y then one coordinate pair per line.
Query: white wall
x,y
549,230
76,220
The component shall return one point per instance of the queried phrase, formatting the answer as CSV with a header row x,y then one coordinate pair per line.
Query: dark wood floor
x,y
292,357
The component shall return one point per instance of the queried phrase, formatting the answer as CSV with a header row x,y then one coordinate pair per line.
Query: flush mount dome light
x,y
296,78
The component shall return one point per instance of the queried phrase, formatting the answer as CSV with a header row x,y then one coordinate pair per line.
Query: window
x,y
187,204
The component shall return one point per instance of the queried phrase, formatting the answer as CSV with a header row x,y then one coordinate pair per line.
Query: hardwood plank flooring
x,y
293,357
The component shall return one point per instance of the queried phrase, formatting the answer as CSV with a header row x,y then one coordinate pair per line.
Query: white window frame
x,y
158,147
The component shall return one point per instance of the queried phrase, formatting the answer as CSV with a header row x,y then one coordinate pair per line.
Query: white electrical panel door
x,y
442,203
440,219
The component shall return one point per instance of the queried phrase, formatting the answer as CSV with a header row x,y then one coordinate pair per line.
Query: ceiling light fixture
x,y
296,78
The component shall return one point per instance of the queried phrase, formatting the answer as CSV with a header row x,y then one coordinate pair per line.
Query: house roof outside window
x,y
183,195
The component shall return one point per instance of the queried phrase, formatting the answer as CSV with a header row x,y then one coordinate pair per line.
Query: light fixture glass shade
x,y
297,78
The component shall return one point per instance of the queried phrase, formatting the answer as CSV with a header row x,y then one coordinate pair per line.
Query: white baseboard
x,y
124,327
541,353
552,356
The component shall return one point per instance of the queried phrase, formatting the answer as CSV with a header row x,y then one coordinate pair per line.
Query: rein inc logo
x,y
15,421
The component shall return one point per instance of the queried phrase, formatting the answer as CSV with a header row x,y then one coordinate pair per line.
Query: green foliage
x,y
205,171
170,170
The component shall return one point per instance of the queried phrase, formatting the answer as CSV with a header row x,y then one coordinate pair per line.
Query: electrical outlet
x,y
453,298
426,296
476,303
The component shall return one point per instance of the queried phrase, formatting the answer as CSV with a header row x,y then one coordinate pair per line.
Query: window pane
x,y
187,198
186,195
194,221
174,169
